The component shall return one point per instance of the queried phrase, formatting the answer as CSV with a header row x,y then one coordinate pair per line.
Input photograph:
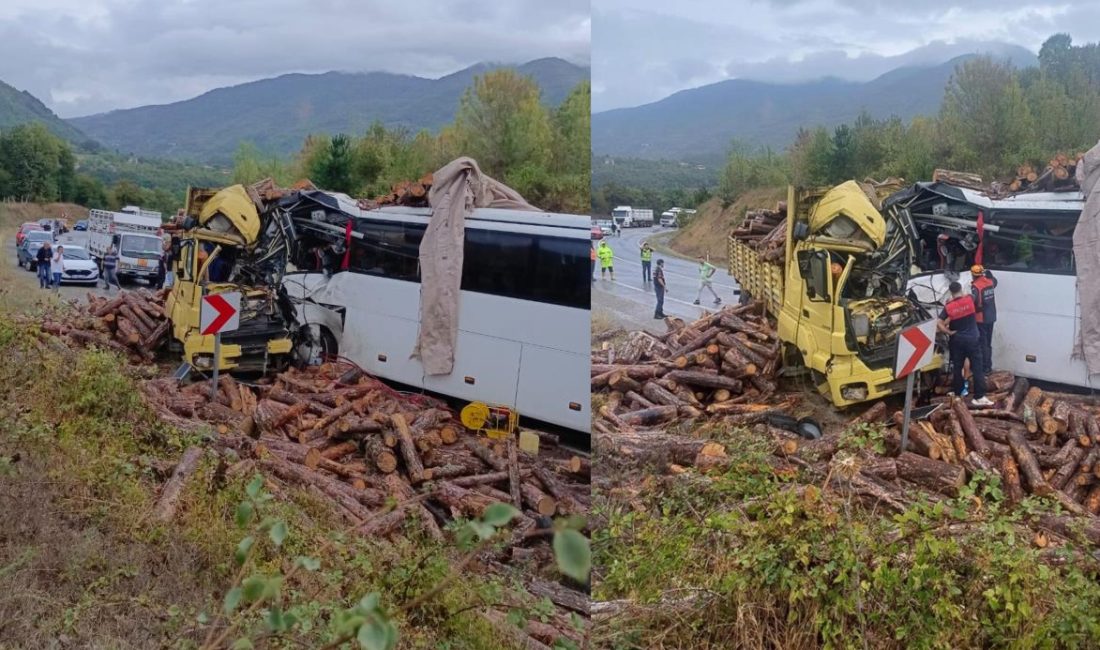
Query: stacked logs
x,y
1059,175
133,323
354,442
721,366
765,231
408,193
1039,443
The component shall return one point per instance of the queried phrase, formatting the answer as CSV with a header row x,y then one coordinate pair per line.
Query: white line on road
x,y
667,298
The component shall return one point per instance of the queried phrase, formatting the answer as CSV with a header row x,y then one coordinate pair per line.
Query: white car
x,y
79,265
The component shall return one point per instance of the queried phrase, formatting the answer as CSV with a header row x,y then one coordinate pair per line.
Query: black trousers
x,y
963,348
985,330
659,312
646,277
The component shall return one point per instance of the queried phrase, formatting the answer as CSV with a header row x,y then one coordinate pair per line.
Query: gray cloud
x,y
644,50
82,57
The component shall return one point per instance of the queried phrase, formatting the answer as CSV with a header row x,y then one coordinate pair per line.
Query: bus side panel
x,y
550,401
492,364
1036,317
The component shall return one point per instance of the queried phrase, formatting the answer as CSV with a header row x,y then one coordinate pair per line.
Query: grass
x,y
746,559
84,564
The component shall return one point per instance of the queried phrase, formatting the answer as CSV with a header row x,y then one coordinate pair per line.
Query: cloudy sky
x,y
87,56
643,50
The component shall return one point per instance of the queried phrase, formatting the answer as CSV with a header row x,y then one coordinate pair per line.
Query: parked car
x,y
47,224
24,229
81,226
79,266
597,233
29,248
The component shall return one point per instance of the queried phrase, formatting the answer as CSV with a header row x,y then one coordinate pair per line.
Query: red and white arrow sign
x,y
221,312
915,348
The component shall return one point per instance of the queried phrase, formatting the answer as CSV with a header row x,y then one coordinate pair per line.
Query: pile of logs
x,y
720,366
355,442
133,323
765,231
409,193
1060,175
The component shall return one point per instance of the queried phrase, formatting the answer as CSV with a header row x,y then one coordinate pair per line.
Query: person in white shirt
x,y
57,267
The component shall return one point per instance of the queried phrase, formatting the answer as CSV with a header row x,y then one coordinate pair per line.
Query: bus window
x,y
498,263
562,272
1030,246
387,249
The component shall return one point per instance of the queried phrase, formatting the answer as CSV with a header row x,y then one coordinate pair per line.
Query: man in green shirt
x,y
647,260
706,271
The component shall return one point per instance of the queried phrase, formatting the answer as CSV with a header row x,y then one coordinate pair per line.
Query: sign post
x,y
221,312
914,351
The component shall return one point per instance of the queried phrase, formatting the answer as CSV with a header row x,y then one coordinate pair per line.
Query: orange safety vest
x,y
983,292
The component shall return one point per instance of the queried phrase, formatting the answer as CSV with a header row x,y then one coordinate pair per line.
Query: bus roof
x,y
349,206
1030,202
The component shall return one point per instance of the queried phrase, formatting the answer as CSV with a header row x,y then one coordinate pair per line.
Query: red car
x,y
597,233
23,230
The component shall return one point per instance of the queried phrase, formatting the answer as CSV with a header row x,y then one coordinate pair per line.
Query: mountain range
x,y
276,114
20,107
700,123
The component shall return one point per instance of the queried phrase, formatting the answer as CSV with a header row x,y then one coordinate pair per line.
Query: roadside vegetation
x,y
247,563
541,152
751,558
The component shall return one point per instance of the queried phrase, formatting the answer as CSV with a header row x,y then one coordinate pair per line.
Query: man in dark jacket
x,y
982,290
42,261
957,320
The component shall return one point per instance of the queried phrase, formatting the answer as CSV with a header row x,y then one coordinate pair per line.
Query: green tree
x,y
502,124
89,192
38,165
125,193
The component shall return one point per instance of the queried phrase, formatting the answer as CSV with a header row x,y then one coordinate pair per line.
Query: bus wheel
x,y
315,344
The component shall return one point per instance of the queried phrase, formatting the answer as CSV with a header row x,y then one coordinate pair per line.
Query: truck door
x,y
815,324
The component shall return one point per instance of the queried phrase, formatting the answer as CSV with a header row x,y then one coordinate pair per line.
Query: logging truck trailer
x,y
227,246
839,297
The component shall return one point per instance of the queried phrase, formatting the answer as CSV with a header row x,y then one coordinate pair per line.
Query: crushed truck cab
x,y
839,297
226,247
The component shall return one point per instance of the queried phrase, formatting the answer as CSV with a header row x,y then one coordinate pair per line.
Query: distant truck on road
x,y
628,217
136,235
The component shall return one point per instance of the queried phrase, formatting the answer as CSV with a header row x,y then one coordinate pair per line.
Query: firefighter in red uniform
x,y
958,321
982,288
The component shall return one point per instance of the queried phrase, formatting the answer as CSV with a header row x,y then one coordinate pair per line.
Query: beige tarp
x,y
1086,252
457,189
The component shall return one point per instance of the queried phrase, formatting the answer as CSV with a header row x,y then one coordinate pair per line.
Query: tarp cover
x,y
457,189
1086,251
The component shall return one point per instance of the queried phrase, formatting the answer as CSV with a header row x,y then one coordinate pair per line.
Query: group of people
x,y
606,257
50,264
968,320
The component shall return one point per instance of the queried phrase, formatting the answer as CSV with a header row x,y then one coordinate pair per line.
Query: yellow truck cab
x,y
839,297
224,230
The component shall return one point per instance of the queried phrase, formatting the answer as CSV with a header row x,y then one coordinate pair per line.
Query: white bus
x,y
524,324
1027,244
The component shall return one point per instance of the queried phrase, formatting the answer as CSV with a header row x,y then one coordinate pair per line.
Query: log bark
x,y
514,487
935,475
649,416
167,502
413,465
537,500
1028,465
704,379
970,430
1016,397
1010,473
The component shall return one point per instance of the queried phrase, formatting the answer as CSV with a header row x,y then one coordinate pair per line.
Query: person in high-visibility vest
x,y
957,319
607,257
592,250
647,260
982,286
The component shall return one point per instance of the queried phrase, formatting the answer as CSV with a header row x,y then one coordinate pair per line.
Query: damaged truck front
x,y
234,239
840,296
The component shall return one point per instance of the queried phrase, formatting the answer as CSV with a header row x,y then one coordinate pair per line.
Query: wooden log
x,y
876,413
1010,474
704,379
649,416
339,450
537,500
650,448
168,501
623,383
514,487
486,455
381,456
413,465
659,395
461,501
127,333
970,430
1028,465
933,474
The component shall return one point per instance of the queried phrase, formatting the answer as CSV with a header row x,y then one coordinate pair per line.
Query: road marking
x,y
689,276
667,298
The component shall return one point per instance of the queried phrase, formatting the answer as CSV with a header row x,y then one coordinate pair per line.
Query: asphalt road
x,y
630,302
69,290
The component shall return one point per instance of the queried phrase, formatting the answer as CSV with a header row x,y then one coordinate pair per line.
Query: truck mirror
x,y
800,231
